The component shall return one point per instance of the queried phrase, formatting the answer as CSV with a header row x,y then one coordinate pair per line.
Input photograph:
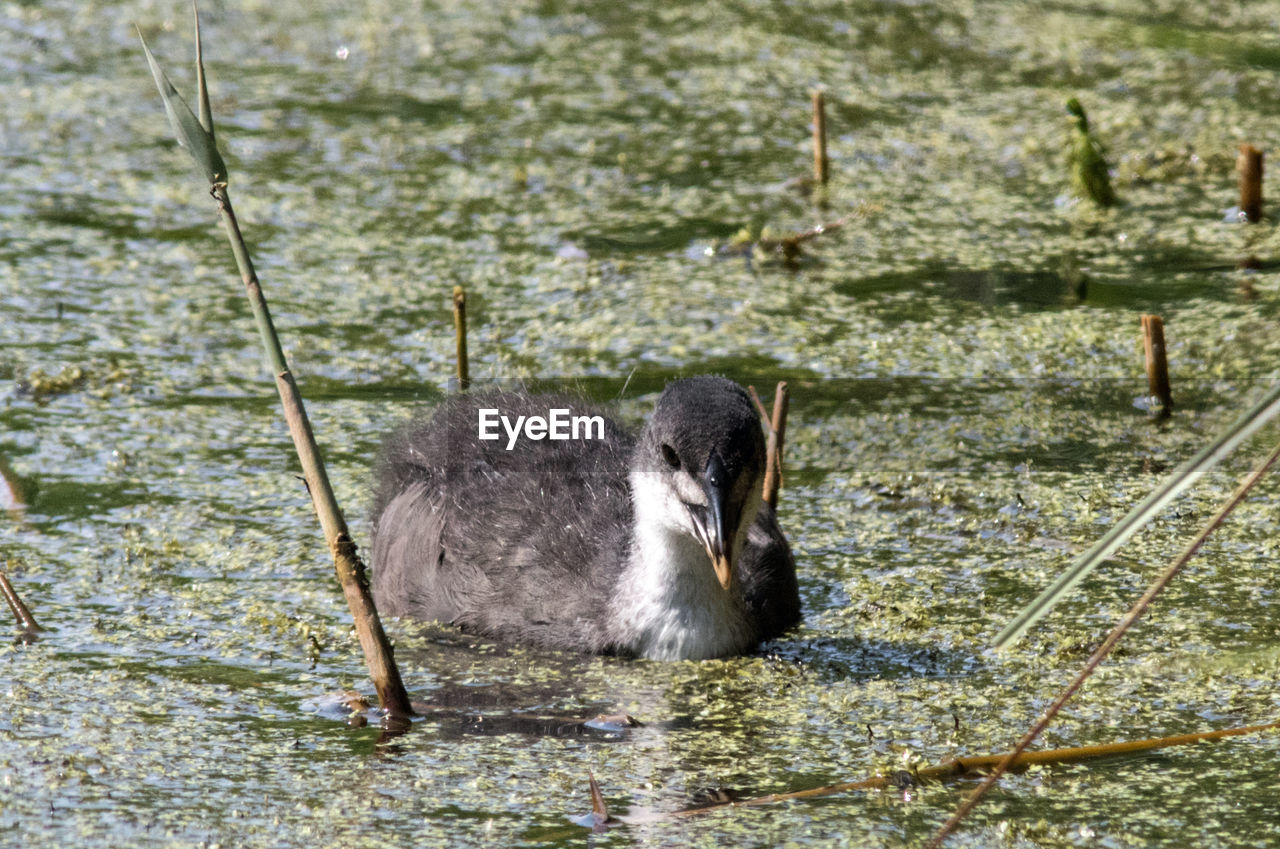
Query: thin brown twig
x,y
777,427
760,407
967,767
777,435
347,564
790,243
196,135
20,611
1108,644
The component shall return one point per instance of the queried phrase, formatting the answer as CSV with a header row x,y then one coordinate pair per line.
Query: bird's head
x,y
703,455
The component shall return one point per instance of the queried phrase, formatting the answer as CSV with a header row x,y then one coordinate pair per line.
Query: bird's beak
x,y
722,521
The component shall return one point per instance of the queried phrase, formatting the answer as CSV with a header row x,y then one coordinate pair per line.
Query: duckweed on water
x,y
965,368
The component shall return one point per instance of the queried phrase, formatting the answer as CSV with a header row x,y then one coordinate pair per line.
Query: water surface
x,y
963,357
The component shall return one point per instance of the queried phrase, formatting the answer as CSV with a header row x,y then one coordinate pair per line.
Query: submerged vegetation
x,y
1090,174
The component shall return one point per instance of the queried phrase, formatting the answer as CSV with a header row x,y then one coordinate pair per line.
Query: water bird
x,y
657,545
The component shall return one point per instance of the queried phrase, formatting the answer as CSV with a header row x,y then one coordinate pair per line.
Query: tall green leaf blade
x,y
186,127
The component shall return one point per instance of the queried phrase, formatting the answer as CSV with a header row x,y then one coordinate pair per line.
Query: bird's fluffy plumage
x,y
582,543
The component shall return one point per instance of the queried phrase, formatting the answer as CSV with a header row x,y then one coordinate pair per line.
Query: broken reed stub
x,y
460,328
1249,166
820,163
1157,361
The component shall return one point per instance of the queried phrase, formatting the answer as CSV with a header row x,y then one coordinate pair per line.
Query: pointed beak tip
x,y
724,570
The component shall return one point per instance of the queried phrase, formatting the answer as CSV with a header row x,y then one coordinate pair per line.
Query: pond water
x,y
967,407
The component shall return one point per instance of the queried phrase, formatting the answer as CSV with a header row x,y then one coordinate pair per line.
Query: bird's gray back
x,y
523,543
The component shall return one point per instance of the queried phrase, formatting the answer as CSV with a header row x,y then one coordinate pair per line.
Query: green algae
x,y
964,363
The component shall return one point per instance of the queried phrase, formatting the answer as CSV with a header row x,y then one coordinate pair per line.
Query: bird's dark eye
x,y
669,454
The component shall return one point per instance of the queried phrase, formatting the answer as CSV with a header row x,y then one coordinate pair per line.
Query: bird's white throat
x,y
668,604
